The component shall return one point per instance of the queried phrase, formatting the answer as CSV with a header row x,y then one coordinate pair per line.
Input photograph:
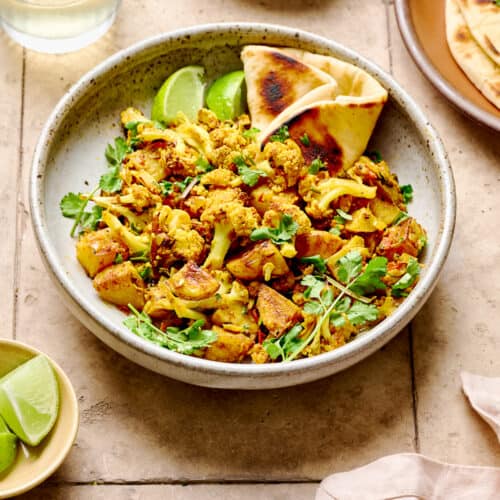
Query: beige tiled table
x,y
145,436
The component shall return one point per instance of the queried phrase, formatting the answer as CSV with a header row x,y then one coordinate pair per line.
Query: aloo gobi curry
x,y
267,236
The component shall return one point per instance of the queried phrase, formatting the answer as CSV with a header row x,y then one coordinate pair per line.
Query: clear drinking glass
x,y
57,26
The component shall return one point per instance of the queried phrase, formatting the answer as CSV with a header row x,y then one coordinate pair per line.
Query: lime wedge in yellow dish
x,y
226,97
8,446
183,91
29,399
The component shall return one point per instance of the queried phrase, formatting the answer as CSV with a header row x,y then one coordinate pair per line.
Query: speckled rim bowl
x,y
403,134
45,459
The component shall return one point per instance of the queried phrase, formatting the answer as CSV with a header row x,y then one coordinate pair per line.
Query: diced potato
x,y
317,242
193,283
383,210
263,197
276,312
407,237
355,243
121,285
229,347
97,250
250,264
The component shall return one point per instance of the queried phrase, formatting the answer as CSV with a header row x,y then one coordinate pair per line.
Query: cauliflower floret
x,y
226,211
138,197
207,119
263,196
113,204
221,177
175,239
136,244
319,193
277,209
132,115
287,160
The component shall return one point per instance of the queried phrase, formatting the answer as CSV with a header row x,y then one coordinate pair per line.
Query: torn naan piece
x,y
482,71
275,81
483,20
338,119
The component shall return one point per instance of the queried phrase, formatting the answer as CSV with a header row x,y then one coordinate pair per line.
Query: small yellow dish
x,y
33,465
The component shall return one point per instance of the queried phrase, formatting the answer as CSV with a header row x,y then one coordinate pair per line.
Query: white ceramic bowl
x,y
70,152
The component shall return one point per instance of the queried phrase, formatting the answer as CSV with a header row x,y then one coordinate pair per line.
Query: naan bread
x,y
483,72
338,117
275,81
483,20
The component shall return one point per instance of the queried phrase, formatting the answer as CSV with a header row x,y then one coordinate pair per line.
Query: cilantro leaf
x,y
317,261
249,176
285,231
349,266
72,204
286,344
312,307
203,165
410,276
305,140
315,166
281,135
73,207
166,187
369,281
251,133
186,341
314,286
115,154
110,181
360,313
90,220
118,258
407,192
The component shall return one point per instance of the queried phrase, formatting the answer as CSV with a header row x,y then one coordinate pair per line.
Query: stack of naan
x,y
473,35
329,106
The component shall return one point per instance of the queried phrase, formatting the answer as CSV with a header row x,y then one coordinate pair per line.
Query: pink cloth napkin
x,y
484,397
410,476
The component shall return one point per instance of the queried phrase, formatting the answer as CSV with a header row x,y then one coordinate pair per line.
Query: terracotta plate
x,y
422,26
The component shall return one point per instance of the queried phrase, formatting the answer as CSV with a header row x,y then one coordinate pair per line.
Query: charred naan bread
x,y
483,72
275,81
483,20
337,117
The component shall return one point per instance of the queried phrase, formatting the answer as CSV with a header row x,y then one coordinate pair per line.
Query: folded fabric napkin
x,y
410,475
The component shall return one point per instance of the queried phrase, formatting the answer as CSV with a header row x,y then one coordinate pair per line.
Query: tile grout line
x,y
177,482
389,40
411,353
19,204
414,394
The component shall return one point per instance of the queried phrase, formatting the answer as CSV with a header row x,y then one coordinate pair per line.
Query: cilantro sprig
x,y
249,176
185,341
281,135
322,302
73,206
407,192
284,233
408,278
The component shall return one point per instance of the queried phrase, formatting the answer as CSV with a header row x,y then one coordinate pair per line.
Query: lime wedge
x,y
29,399
226,97
182,91
8,446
